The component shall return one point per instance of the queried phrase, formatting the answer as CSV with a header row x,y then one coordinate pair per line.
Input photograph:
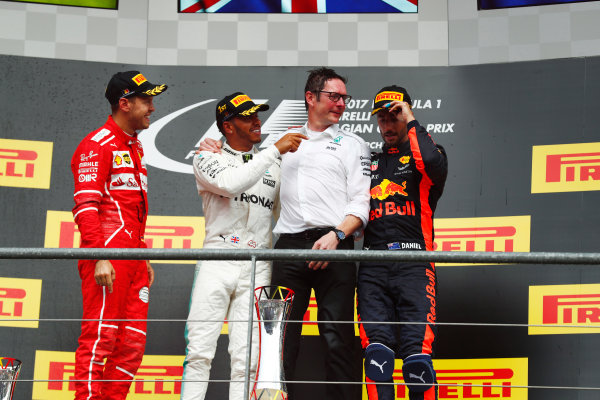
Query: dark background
x,y
499,112
494,4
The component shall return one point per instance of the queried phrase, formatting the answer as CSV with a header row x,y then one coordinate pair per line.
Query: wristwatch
x,y
339,234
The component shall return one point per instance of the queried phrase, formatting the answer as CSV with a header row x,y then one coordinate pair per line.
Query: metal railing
x,y
541,258
308,255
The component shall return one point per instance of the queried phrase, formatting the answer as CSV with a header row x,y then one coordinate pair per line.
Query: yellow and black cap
x,y
128,84
236,104
389,94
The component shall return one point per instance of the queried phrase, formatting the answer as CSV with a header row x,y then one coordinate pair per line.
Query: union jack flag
x,y
235,239
493,4
298,6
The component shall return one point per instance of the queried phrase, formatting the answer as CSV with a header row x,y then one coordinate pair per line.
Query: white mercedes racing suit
x,y
238,201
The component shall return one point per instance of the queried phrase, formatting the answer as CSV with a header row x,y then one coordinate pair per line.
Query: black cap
x,y
235,104
389,94
130,83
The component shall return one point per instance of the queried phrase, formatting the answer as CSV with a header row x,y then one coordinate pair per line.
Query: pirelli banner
x,y
523,145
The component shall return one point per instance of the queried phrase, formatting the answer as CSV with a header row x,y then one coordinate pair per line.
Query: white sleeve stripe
x,y
87,191
125,372
85,209
120,216
107,140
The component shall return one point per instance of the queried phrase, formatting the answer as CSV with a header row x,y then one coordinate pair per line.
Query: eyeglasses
x,y
335,96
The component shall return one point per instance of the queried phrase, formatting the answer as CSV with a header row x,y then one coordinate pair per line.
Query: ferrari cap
x,y
130,83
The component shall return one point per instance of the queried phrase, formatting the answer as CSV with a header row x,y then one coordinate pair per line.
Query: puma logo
x,y
413,376
380,366
129,233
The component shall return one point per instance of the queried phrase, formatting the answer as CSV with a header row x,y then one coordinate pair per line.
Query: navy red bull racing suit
x,y
110,212
406,183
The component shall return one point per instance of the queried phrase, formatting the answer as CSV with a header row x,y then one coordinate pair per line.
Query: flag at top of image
x,y
298,6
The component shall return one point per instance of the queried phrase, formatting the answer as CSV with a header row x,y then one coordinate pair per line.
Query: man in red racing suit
x,y
407,180
111,206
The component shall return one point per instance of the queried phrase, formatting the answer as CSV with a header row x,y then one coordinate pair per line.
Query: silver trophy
x,y
273,305
9,372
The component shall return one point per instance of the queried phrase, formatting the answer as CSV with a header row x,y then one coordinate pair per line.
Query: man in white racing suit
x,y
239,189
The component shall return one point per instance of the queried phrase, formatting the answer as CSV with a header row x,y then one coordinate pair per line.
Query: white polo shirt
x,y
327,178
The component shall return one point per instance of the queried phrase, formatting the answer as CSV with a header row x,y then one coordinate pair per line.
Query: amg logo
x,y
269,182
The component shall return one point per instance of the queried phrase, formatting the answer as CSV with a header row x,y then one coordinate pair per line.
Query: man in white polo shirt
x,y
324,200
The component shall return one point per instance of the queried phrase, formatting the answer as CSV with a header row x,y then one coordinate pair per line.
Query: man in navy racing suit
x,y
407,179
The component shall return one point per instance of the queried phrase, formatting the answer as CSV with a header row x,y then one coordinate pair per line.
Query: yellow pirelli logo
x,y
393,96
242,98
57,371
493,234
25,163
577,307
565,168
162,232
19,301
139,79
485,378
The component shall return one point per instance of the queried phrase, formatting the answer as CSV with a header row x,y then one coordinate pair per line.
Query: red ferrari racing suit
x,y
110,210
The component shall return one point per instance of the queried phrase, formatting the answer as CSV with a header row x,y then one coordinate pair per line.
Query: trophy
x,y
273,305
9,372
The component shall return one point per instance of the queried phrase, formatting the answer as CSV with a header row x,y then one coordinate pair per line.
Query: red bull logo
x,y
388,188
391,208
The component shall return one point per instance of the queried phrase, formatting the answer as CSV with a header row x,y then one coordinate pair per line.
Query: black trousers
x,y
334,289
